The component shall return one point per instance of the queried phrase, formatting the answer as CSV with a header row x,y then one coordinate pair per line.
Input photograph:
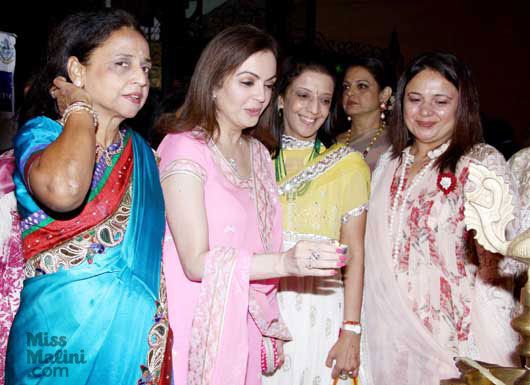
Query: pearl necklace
x,y
408,160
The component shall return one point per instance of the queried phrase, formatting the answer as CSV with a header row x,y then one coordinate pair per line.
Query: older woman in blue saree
x,y
93,304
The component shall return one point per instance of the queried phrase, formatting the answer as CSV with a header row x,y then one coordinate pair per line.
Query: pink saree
x,y
218,323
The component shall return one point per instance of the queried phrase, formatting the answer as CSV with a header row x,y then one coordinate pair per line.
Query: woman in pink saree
x,y
223,235
430,293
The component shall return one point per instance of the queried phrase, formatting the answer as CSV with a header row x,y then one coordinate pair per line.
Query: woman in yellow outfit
x,y
324,191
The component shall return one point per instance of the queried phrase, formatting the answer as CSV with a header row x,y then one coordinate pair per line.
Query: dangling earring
x,y
383,109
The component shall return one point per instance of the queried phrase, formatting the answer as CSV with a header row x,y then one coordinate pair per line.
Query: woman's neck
x,y
421,150
228,137
293,134
363,123
107,131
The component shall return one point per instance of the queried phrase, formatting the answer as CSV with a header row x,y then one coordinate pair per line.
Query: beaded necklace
x,y
377,134
279,162
108,153
408,160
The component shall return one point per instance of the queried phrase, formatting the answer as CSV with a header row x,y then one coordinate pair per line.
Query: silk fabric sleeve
x,y
34,136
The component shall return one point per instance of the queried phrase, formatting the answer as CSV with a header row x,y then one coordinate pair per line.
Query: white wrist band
x,y
356,329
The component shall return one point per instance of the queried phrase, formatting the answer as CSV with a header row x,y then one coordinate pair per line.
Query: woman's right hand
x,y
66,93
312,258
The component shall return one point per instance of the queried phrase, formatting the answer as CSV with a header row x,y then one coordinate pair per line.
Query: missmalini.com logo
x,y
50,356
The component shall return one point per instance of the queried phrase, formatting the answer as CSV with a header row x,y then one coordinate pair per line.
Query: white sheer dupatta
x,y
396,348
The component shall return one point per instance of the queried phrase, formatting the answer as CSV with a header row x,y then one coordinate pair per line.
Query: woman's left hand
x,y
345,353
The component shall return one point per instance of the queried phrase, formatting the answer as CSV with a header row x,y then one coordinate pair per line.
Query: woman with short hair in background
x,y
366,103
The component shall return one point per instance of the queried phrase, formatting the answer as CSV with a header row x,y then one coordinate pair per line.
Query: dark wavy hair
x,y
291,68
77,35
221,57
468,129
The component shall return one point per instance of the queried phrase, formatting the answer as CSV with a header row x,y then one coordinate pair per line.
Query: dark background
x,y
491,37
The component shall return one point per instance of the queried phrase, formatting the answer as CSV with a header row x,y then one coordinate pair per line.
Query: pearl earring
x,y
77,82
383,109
349,118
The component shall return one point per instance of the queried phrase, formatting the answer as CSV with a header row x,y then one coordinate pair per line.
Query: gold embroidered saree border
x,y
85,246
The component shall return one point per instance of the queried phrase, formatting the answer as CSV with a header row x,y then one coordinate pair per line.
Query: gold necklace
x,y
374,139
348,137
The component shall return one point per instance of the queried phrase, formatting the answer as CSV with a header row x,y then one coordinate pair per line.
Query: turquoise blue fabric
x,y
97,315
35,135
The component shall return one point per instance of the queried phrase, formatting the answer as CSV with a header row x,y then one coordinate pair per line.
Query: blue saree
x,y
93,304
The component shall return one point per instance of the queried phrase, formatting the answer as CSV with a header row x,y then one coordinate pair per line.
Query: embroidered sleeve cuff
x,y
354,213
184,166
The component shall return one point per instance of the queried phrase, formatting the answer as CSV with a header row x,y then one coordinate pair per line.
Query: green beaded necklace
x,y
281,172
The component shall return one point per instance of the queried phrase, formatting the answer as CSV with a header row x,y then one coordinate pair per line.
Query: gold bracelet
x,y
80,106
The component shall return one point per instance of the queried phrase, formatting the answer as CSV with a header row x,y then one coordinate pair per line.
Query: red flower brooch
x,y
446,182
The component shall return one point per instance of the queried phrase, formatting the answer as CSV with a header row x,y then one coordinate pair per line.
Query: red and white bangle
x,y
352,326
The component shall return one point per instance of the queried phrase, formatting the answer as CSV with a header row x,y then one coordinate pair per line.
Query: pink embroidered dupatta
x,y
219,346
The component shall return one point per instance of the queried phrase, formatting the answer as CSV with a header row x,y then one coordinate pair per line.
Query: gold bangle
x,y
80,106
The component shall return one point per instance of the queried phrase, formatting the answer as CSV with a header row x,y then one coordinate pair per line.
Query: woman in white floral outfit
x,y
430,293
